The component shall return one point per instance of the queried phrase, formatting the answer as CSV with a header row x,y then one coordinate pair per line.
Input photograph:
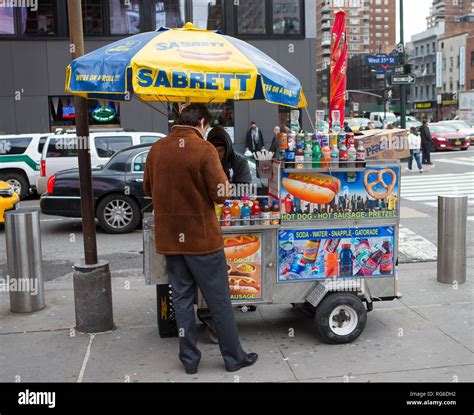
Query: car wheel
x,y
118,214
340,318
464,149
18,182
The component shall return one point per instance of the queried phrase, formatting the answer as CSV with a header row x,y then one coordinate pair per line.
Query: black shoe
x,y
191,370
249,360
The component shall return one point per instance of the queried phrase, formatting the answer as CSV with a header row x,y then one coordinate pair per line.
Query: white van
x,y
20,156
378,117
60,150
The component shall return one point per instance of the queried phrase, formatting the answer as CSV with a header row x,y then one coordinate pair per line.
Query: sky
x,y
415,13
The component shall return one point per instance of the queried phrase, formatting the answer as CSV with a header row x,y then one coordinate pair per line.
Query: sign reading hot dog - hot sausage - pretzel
x,y
244,266
371,193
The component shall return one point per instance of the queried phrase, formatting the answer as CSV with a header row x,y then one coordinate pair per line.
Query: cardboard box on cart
x,y
386,144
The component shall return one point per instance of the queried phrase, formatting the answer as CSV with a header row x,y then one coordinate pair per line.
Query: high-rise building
x,y
371,28
450,11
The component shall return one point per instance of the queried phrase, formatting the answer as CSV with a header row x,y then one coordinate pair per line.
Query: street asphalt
x,y
425,336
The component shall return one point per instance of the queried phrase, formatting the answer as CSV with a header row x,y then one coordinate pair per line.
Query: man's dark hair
x,y
424,121
193,114
253,123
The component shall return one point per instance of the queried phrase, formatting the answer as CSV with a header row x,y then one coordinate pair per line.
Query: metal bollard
x,y
452,224
24,260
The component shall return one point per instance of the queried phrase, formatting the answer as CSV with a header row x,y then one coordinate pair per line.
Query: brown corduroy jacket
x,y
184,177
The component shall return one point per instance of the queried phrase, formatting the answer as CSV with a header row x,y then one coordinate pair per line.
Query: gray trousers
x,y
209,272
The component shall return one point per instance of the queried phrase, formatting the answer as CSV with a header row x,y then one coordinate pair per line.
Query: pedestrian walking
x,y
426,142
254,139
414,143
184,177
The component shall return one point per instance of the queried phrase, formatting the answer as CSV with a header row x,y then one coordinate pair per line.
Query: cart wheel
x,y
212,335
340,318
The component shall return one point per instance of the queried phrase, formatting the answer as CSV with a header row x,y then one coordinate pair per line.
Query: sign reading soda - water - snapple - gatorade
x,y
321,254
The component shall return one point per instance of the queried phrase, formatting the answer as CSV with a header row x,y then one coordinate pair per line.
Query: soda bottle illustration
x,y
372,263
311,252
346,261
331,245
386,266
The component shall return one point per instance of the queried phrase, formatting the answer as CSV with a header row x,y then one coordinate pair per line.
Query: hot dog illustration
x,y
240,246
313,188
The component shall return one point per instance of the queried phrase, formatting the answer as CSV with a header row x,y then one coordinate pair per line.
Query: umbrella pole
x,y
92,280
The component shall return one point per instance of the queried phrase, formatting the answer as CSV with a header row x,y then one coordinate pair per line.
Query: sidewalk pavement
x,y
427,336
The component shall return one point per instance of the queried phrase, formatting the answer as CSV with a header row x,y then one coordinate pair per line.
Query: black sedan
x,y
118,191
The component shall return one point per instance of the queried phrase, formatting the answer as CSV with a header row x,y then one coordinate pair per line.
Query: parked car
x,y
411,121
447,138
8,199
117,211
461,127
20,156
60,151
379,117
357,124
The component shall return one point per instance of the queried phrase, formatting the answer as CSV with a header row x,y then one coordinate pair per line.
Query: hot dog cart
x,y
332,260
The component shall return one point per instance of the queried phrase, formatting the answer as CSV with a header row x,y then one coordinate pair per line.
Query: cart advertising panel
x,y
370,193
318,254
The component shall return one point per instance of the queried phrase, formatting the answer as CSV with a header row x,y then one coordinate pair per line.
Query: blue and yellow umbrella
x,y
179,65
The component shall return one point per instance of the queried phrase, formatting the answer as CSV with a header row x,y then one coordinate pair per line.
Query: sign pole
x,y
403,91
92,280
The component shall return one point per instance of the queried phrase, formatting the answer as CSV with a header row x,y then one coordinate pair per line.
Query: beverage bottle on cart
x,y
334,156
360,154
288,204
283,141
311,252
255,213
326,156
341,139
235,213
317,154
331,245
350,139
218,210
291,141
332,139
275,213
300,139
245,213
343,156
351,156
290,159
308,155
386,266
372,263
265,213
299,157
324,140
346,261
226,214
308,139
331,265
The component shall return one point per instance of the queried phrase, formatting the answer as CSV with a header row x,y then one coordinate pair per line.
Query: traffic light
x,y
408,68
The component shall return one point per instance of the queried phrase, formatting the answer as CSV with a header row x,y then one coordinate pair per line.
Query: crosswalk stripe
x,y
471,218
468,173
427,178
439,190
428,197
415,246
461,185
459,162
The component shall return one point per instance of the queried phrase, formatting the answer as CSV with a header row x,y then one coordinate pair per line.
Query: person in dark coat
x,y
254,139
426,142
236,167
276,141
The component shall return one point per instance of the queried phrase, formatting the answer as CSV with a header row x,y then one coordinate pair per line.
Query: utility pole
x,y
92,280
403,91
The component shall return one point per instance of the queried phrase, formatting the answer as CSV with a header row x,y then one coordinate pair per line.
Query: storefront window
x,y
170,13
40,20
7,22
207,14
124,17
286,17
92,13
101,113
251,17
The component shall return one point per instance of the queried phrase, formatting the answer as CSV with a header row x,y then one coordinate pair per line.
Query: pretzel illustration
x,y
388,187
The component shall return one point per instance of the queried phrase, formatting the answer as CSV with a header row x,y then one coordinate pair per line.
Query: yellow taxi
x,y
8,199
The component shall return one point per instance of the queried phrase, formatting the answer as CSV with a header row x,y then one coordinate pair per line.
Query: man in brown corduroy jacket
x,y
184,177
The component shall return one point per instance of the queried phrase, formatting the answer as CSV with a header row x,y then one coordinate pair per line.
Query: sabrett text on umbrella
x,y
193,80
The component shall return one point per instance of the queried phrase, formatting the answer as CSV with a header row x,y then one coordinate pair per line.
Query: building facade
x,y
35,46
449,11
371,26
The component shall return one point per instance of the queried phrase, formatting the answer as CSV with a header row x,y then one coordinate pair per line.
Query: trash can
x,y
24,260
452,224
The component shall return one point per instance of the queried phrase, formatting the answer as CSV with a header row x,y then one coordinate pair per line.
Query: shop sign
x,y
103,114
423,105
325,254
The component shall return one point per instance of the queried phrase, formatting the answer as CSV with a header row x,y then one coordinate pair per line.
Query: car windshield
x,y
459,125
441,129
